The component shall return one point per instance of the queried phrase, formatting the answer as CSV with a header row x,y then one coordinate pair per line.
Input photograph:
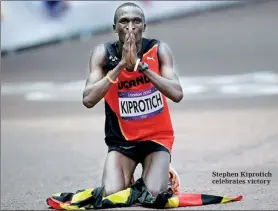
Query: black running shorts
x,y
138,151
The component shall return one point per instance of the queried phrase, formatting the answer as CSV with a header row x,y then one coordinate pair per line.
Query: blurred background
x,y
225,54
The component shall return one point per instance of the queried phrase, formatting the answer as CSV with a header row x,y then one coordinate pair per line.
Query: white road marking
x,y
195,87
40,96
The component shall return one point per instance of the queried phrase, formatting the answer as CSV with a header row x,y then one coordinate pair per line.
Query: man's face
x,y
130,19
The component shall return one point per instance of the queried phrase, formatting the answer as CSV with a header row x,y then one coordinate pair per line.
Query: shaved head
x,y
129,17
119,11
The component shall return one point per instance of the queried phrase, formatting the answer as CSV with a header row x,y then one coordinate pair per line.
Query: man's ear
x,y
114,28
144,27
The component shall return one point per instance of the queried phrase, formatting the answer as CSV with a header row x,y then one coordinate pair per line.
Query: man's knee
x,y
161,194
156,172
111,189
118,170
114,182
155,189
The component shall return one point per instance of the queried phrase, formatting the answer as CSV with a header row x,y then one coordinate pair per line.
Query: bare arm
x,y
97,84
168,83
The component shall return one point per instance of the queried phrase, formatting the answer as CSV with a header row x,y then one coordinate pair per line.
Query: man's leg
x,y
156,171
117,173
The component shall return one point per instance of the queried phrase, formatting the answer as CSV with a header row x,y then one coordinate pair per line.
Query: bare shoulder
x,y
163,46
164,54
96,63
166,62
97,57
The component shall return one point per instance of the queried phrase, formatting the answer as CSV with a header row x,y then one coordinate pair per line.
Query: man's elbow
x,y
178,97
87,103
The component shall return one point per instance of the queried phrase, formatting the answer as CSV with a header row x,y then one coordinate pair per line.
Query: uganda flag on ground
x,y
137,194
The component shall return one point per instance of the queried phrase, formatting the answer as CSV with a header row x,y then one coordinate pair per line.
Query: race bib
x,y
140,104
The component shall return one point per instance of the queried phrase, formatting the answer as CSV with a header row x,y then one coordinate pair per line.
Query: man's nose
x,y
130,26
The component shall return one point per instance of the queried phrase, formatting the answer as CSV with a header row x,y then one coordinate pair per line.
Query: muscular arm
x,y
168,83
97,85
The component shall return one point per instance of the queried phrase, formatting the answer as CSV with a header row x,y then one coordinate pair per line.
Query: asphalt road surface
x,y
227,122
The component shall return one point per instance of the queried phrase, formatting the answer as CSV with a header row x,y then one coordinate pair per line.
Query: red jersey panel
x,y
142,111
